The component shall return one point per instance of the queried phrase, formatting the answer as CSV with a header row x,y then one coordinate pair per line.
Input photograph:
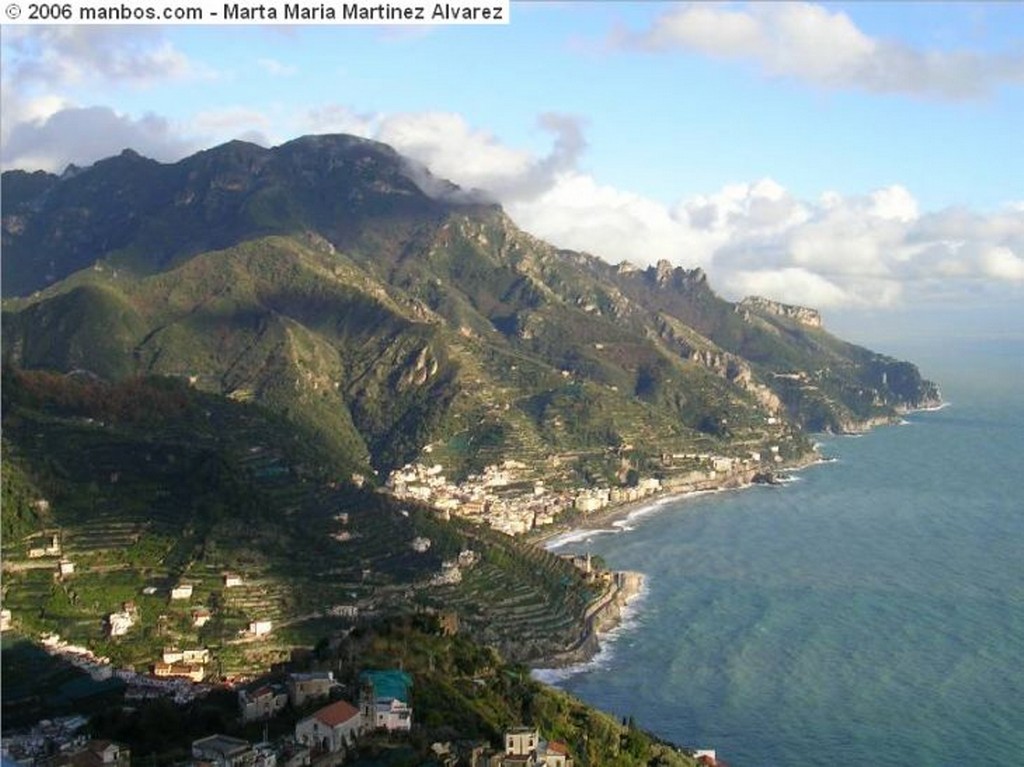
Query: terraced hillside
x,y
148,485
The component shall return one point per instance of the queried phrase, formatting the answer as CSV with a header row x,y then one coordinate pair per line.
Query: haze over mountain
x,y
391,312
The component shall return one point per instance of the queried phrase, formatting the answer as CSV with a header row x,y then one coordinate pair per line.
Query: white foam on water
x,y
629,620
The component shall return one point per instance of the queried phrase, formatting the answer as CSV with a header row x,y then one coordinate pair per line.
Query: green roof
x,y
388,684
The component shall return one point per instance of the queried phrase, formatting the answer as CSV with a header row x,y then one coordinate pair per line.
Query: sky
x,y
866,159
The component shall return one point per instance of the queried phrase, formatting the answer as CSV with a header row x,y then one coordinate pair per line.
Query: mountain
x,y
390,314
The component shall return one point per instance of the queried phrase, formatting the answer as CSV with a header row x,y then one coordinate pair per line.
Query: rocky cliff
x,y
805,316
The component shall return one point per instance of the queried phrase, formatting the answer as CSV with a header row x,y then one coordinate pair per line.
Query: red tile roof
x,y
556,747
336,713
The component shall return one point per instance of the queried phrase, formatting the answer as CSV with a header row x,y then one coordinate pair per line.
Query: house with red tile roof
x,y
554,753
330,729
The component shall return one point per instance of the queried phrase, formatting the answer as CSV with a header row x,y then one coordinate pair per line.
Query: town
x,y
511,498
324,707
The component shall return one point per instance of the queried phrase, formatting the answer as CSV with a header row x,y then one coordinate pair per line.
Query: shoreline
x,y
601,617
605,614
605,519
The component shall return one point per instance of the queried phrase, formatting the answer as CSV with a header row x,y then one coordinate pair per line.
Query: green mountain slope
x,y
320,279
148,483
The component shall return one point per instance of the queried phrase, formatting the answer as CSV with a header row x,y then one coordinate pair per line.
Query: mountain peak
x,y
334,184
337,142
664,273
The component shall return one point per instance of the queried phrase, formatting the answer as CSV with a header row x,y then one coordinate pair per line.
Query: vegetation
x,y
317,280
187,486
461,691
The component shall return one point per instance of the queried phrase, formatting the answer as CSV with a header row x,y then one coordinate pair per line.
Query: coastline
x,y
605,519
606,613
602,616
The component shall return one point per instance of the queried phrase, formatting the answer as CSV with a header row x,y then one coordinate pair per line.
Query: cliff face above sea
x,y
604,614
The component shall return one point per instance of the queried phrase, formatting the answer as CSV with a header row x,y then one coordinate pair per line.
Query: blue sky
x,y
866,158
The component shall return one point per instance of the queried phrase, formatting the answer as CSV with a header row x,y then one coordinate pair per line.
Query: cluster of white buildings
x,y
61,733
509,499
148,687
595,499
487,498
327,734
483,498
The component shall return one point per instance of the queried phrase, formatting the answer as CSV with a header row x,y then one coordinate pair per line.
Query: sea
x,y
868,612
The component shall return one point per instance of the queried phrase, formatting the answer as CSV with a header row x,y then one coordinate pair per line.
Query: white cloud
x,y
452,149
812,43
894,203
58,55
1003,264
43,64
875,249
799,286
577,212
84,135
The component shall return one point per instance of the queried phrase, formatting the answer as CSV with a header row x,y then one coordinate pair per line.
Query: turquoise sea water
x,y
870,612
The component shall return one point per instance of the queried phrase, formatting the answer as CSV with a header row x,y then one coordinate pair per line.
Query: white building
x,y
200,617
182,591
310,685
390,714
383,701
331,729
199,656
260,628
223,751
118,623
522,741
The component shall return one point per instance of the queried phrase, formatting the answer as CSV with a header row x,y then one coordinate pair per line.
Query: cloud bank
x,y
814,44
43,128
871,250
